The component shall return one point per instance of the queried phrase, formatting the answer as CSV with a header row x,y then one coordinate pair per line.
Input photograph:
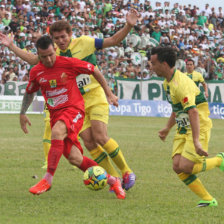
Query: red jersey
x,y
57,83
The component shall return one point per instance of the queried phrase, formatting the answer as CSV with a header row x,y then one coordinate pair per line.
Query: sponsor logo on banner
x,y
153,90
216,110
142,108
128,89
148,108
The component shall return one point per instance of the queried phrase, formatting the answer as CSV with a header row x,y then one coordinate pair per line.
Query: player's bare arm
x,y
205,86
165,131
112,99
27,100
30,58
131,19
195,126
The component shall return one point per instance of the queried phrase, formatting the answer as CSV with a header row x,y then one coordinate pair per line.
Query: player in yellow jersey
x,y
191,114
94,131
195,76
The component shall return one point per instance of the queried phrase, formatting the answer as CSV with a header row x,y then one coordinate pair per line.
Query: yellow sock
x,y
195,185
116,155
101,157
208,164
47,136
46,146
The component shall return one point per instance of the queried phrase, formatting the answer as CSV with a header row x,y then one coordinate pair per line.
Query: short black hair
x,y
190,59
44,42
167,54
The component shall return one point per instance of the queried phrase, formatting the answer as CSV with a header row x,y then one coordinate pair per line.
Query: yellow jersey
x,y
196,77
183,94
83,48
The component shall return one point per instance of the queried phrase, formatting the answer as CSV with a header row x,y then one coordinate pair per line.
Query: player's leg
x,y
75,157
190,180
46,137
59,133
208,163
99,132
96,151
183,165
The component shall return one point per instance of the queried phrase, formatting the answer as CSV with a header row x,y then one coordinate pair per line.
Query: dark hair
x,y
44,42
167,54
60,26
190,59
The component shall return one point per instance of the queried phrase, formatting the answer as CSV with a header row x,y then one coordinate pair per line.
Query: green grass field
x,y
157,197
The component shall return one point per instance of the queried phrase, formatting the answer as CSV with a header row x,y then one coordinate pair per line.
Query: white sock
x,y
48,177
111,180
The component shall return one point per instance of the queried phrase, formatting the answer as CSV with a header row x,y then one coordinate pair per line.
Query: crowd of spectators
x,y
195,33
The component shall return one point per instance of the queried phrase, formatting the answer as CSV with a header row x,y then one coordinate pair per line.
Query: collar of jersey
x,y
173,75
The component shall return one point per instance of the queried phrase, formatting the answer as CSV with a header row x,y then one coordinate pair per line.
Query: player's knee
x,y
56,134
176,168
75,157
75,161
185,168
90,145
101,139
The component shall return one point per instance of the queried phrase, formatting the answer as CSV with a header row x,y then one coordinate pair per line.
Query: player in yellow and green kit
x,y
47,135
195,76
191,114
94,131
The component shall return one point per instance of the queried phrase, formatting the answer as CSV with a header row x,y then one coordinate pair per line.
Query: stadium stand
x,y
195,33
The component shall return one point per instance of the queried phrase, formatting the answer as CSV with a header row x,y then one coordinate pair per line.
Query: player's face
x,y
190,66
62,39
48,56
157,66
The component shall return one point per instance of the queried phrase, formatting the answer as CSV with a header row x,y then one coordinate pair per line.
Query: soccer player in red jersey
x,y
55,77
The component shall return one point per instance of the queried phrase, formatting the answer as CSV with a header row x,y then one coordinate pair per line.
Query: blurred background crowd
x,y
196,33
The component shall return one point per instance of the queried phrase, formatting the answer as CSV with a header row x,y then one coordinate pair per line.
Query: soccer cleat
x,y
221,155
212,203
111,189
118,190
41,187
128,180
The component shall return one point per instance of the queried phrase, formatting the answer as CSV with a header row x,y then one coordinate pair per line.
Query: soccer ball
x,y
95,178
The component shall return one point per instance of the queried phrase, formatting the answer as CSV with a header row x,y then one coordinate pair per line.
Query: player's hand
x,y
113,100
6,40
132,16
163,133
199,150
23,121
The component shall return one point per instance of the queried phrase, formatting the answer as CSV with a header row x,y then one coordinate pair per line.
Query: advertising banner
x,y
133,100
152,90
141,108
12,104
129,89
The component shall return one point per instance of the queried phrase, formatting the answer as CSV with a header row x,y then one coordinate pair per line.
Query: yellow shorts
x,y
96,107
183,144
47,128
46,114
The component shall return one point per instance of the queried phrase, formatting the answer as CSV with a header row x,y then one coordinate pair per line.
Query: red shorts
x,y
73,119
